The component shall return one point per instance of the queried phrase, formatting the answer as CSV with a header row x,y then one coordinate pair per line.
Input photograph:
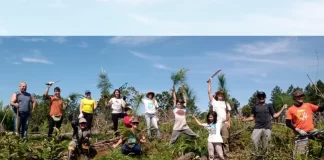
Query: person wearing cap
x,y
299,116
128,117
87,107
180,123
56,109
261,114
131,139
222,108
117,104
151,113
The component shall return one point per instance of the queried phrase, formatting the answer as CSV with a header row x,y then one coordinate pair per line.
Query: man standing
x,y
262,114
21,103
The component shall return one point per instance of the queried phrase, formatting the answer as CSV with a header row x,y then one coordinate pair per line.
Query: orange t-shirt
x,y
56,105
302,117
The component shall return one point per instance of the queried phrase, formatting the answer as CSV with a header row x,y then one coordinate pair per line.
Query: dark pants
x,y
88,117
52,124
23,121
115,117
136,149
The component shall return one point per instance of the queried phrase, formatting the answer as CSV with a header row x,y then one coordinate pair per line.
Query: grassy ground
x,y
280,148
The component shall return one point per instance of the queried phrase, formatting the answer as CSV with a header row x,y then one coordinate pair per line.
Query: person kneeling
x,y
131,139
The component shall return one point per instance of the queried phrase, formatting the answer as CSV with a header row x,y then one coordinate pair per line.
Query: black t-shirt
x,y
262,115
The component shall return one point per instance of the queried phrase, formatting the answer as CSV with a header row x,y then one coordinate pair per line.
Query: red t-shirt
x,y
302,117
127,122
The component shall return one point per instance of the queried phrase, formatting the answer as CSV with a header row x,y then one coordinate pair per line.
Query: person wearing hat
x,y
117,104
128,117
132,139
87,107
299,116
261,114
180,123
151,113
222,108
56,109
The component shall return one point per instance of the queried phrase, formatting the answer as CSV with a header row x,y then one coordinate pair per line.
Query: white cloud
x,y
17,63
133,3
302,18
33,39
135,40
3,31
144,56
161,66
257,60
83,45
36,60
268,47
37,57
59,40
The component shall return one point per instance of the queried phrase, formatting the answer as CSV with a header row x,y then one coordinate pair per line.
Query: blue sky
x,y
249,63
161,17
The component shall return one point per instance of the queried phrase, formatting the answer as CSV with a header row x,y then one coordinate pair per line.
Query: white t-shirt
x,y
180,122
213,136
150,106
220,108
117,104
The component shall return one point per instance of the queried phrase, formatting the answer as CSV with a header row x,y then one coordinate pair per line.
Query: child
x,y
131,139
214,140
180,124
128,117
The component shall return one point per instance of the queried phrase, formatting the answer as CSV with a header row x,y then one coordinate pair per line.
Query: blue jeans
x,y
136,149
23,120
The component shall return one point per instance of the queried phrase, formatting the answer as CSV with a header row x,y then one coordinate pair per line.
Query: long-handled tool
x,y
214,74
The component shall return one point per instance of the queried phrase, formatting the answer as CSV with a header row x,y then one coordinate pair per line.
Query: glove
x,y
301,132
80,115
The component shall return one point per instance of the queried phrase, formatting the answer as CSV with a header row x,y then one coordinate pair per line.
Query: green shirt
x,y
130,137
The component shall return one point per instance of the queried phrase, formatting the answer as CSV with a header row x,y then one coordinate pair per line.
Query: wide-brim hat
x,y
219,92
128,107
150,92
82,120
298,93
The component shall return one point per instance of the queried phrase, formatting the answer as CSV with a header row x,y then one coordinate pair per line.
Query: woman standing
x,y
87,107
151,113
117,104
56,109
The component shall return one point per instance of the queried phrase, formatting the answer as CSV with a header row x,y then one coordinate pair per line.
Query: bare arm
x,y
13,100
34,103
95,105
184,98
251,118
81,105
198,122
46,92
210,94
276,115
174,97
118,143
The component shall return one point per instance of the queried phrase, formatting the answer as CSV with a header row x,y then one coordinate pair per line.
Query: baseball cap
x,y
87,91
135,120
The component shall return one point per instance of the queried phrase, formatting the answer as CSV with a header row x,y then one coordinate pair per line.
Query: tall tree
x,y
104,84
312,95
165,100
235,106
290,89
253,99
275,91
246,110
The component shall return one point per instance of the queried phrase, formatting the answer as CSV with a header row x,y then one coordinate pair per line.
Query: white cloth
x,y
220,108
116,105
150,106
214,136
80,115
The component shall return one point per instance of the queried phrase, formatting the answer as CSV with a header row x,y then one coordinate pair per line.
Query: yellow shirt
x,y
88,105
